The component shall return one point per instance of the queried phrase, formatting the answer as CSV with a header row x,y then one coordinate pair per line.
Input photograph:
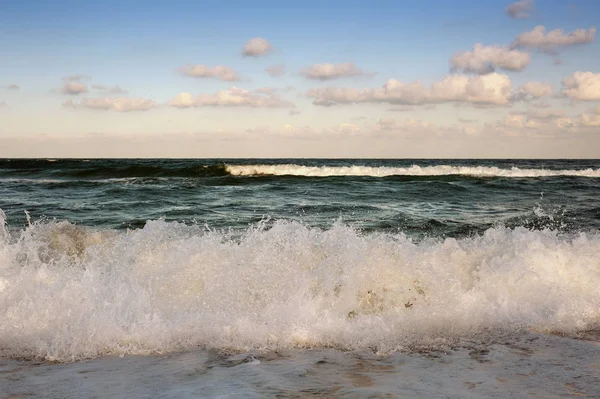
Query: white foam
x,y
70,292
415,170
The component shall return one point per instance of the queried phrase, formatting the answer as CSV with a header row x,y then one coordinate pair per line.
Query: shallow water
x,y
528,365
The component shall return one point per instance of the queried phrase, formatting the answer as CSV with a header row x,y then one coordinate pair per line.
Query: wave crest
x,y
415,170
68,293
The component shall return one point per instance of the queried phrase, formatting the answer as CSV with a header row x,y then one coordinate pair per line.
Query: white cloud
x,y
544,123
220,72
332,71
583,86
121,104
74,88
534,90
13,87
520,9
275,70
183,100
491,89
550,41
233,97
485,59
256,47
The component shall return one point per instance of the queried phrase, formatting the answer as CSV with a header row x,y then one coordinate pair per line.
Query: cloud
x,y
3,104
256,47
541,114
485,59
520,9
120,104
491,89
233,97
294,112
544,123
332,71
275,70
74,87
583,86
113,89
533,90
13,87
220,72
550,41
591,118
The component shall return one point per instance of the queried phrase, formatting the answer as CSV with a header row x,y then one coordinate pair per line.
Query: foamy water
x,y
415,170
69,292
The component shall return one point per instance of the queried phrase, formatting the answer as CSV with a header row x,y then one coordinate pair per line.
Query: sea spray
x,y
70,292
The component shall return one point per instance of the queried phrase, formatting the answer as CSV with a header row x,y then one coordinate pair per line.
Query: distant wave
x,y
383,171
38,169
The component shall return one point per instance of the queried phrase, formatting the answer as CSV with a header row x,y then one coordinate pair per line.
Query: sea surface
x,y
299,278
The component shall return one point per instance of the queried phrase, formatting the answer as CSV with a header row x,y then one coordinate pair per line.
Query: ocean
x,y
252,278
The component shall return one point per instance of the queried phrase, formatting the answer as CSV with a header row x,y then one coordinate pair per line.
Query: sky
x,y
323,79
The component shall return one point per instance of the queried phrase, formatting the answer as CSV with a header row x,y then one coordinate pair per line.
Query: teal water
x,y
417,197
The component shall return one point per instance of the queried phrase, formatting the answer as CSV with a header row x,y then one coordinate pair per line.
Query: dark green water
x,y
417,197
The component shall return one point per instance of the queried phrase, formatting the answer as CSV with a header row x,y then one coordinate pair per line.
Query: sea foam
x,y
415,170
69,292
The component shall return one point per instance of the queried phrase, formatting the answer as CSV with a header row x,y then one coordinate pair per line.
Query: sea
x,y
298,278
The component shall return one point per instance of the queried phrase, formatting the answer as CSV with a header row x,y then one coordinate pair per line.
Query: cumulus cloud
x,y
491,89
332,71
74,87
583,86
533,90
220,72
542,123
552,40
233,97
120,104
485,59
520,9
13,87
275,70
256,47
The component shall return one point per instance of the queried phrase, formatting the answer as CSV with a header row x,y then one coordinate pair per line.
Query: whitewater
x,y
297,278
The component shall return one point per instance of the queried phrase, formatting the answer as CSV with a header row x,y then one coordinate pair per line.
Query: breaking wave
x,y
415,170
69,292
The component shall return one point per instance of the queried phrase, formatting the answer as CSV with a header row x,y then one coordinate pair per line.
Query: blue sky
x,y
143,47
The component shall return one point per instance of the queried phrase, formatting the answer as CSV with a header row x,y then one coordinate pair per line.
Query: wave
x,y
415,170
69,292
115,169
